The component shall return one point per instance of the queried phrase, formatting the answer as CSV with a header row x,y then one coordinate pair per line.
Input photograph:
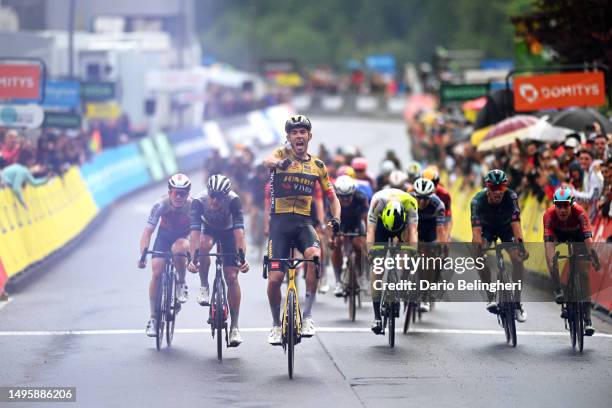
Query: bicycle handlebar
x,y
165,254
290,262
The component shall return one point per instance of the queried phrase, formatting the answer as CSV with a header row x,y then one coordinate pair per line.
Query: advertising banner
x,y
62,94
557,91
463,92
166,155
29,116
152,159
62,120
21,81
98,91
107,110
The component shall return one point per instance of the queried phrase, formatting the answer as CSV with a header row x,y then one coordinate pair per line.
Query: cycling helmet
x,y
393,216
359,163
413,169
179,182
346,171
423,187
397,179
496,177
387,167
297,121
219,183
563,194
431,173
345,185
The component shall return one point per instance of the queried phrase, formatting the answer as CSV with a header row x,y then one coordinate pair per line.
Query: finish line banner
x,y
466,272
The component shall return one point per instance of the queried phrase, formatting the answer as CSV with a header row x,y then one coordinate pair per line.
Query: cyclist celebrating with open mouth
x,y
171,212
292,186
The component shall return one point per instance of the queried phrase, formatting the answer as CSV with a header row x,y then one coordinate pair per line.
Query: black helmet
x,y
496,177
297,121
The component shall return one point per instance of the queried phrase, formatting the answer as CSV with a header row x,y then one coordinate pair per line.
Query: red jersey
x,y
576,228
444,195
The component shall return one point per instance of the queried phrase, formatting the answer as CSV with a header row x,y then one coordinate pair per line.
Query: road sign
x,y
28,116
97,91
463,92
63,120
62,94
556,91
108,110
21,81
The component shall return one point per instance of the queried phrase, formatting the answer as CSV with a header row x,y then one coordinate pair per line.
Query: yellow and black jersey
x,y
292,190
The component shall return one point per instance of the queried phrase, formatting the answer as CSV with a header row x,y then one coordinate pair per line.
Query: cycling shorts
x,y
290,228
227,241
164,241
504,233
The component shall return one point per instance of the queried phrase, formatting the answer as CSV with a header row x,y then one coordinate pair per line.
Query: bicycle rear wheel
x,y
391,321
512,323
172,306
160,318
571,321
580,325
290,331
352,292
409,316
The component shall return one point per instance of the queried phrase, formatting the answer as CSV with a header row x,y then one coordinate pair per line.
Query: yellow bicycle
x,y
292,316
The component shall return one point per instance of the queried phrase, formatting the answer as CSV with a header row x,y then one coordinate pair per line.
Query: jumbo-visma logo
x,y
529,92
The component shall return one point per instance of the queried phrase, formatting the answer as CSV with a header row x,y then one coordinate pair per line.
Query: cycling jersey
x,y
495,220
228,216
444,195
576,228
365,188
170,219
351,216
292,189
430,217
381,198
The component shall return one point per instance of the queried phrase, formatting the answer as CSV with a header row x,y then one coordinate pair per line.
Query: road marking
x,y
267,329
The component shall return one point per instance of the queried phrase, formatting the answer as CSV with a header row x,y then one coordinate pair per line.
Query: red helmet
x,y
359,164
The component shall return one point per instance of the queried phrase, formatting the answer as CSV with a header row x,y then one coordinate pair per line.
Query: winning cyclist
x,y
495,214
393,213
431,228
293,178
566,221
172,214
354,206
216,217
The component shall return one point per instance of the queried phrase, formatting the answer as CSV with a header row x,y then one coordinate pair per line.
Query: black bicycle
x,y
506,303
352,293
167,305
575,305
219,308
291,325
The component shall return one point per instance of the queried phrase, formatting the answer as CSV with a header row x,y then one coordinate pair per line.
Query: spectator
x,y
11,147
592,182
569,153
17,174
601,149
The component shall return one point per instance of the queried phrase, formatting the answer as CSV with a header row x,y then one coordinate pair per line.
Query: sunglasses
x,y
497,187
422,198
563,204
179,193
216,195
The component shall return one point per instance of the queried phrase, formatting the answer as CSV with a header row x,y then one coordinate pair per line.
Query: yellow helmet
x,y
431,173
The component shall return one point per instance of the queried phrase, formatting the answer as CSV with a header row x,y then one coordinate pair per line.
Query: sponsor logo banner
x,y
21,81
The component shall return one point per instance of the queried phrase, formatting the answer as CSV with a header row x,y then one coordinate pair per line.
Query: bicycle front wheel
x,y
219,322
172,307
580,325
391,321
291,331
352,293
160,311
571,320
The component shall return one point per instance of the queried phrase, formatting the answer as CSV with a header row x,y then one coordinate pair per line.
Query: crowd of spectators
x,y
583,160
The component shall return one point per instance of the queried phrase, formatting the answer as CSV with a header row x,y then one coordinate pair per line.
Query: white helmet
x,y
179,182
387,167
219,183
423,187
345,185
397,179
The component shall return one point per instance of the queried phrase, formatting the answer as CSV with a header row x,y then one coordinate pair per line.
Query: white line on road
x,y
266,329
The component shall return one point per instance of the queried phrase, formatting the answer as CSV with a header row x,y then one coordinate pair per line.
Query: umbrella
x,y
522,127
475,104
498,107
479,134
578,118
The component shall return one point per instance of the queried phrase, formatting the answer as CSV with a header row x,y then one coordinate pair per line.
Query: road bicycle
x,y
352,291
575,305
291,324
167,305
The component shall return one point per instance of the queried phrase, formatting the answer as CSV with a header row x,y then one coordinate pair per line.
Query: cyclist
x,y
431,173
171,212
413,171
216,217
566,221
392,214
386,167
294,174
430,228
354,205
397,179
495,214
360,165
